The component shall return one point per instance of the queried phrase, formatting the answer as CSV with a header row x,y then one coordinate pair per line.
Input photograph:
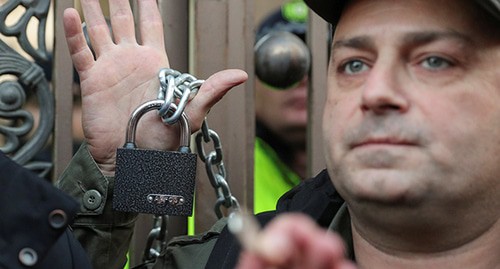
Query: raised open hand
x,y
124,74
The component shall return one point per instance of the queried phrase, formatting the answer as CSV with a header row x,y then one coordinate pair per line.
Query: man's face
x,y
413,107
283,111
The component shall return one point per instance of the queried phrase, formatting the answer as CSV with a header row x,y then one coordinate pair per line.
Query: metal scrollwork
x,y
34,9
22,78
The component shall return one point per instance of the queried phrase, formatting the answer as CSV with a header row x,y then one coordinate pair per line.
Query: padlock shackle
x,y
151,105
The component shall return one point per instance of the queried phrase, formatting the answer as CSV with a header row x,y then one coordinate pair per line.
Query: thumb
x,y
212,90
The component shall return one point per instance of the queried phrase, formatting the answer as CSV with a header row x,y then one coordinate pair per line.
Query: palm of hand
x,y
121,79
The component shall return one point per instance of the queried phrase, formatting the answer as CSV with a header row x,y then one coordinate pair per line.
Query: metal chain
x,y
177,88
215,169
156,243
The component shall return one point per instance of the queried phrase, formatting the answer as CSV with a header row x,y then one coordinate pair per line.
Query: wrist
x,y
104,157
107,169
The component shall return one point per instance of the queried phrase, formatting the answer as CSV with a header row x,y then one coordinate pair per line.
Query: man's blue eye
x,y
435,63
354,67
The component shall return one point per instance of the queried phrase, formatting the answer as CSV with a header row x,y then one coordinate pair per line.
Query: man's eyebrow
x,y
359,42
420,38
414,38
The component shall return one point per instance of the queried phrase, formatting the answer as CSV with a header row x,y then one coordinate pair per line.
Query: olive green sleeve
x,y
192,252
105,234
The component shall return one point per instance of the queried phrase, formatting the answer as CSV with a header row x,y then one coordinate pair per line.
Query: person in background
x,y
281,117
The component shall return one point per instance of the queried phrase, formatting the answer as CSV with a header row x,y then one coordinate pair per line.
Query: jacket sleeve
x,y
104,234
34,221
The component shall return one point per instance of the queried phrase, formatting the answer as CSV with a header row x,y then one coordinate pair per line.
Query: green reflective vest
x,y
272,178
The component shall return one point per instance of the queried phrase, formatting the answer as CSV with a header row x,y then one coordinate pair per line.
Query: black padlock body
x,y
145,173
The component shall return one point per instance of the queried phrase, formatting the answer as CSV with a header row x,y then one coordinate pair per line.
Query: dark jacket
x,y
315,197
34,219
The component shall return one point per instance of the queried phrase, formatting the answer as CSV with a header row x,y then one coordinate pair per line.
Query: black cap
x,y
330,10
276,21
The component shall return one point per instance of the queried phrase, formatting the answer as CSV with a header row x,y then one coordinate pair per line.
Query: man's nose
x,y
384,91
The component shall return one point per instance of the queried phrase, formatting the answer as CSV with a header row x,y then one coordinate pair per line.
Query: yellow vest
x,y
272,178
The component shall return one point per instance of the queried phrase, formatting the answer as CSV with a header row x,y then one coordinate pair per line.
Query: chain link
x,y
156,243
177,88
215,169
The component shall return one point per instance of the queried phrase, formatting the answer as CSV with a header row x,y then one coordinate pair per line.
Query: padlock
x,y
154,181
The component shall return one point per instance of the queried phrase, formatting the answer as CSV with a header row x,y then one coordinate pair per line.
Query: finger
x,y
347,265
214,88
248,260
150,24
80,52
279,245
323,250
296,239
122,21
97,28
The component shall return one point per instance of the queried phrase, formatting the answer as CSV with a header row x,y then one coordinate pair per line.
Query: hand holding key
x,y
124,74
